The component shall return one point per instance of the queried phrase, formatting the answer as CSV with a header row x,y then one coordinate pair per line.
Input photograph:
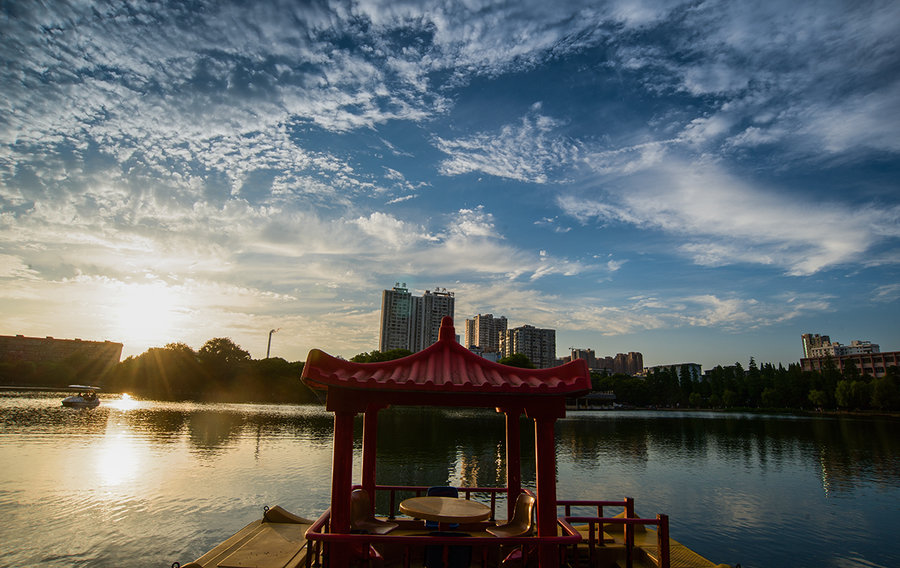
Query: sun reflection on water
x,y
119,458
125,403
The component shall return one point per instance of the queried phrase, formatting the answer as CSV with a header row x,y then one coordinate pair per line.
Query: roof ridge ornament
x,y
447,332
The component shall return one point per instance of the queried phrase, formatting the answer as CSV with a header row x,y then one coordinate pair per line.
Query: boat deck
x,y
278,541
646,551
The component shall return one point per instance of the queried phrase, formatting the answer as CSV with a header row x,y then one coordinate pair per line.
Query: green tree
x,y
819,398
730,398
885,394
771,398
853,394
695,400
379,356
222,359
851,371
517,360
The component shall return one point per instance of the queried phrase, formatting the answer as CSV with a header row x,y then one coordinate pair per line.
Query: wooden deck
x,y
278,541
612,553
275,541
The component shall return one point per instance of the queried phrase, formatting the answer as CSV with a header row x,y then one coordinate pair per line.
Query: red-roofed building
x,y
446,374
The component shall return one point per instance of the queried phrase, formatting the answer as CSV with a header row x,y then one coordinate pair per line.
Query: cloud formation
x,y
556,161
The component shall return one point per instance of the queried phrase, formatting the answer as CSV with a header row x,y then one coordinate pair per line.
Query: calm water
x,y
149,483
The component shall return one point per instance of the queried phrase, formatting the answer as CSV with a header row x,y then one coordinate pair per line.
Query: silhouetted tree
x,y
517,360
222,359
379,356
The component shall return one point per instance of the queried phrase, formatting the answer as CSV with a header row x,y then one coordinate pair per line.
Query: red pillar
x,y
341,481
369,451
513,459
545,456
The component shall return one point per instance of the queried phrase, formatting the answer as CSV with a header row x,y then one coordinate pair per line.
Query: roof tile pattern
x,y
445,366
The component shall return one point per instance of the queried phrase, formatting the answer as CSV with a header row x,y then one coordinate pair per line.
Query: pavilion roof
x,y
445,367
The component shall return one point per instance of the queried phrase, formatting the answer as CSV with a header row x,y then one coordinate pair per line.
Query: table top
x,y
445,509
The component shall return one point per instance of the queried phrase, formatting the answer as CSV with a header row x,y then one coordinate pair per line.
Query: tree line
x,y
219,371
222,371
759,386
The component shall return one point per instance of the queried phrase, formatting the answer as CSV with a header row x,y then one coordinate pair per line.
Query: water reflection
x,y
167,481
848,450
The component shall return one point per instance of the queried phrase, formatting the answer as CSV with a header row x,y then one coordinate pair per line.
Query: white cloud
x,y
13,267
526,152
887,293
723,220
473,223
390,230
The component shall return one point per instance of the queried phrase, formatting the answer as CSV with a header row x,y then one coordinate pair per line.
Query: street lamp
x,y
269,346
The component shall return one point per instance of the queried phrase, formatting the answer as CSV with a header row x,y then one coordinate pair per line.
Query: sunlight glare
x,y
119,459
125,403
147,314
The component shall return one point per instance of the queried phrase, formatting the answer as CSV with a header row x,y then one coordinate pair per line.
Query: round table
x,y
445,509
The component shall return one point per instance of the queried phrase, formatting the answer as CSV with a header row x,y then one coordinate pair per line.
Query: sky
x,y
699,181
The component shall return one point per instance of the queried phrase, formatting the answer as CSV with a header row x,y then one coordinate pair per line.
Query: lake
x,y
145,483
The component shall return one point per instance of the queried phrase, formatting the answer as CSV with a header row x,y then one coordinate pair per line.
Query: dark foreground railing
x,y
628,522
410,539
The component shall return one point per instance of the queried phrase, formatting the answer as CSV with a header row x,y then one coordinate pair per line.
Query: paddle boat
x,y
86,397
454,526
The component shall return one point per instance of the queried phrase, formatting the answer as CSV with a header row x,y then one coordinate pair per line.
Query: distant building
x,y
433,306
412,322
872,364
813,341
539,345
815,346
587,355
483,332
396,318
630,363
866,356
88,358
489,355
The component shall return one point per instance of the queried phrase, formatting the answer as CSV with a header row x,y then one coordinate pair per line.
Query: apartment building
x,y
539,345
866,356
412,322
483,332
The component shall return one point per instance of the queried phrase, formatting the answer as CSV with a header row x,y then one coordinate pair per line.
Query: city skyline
x,y
697,182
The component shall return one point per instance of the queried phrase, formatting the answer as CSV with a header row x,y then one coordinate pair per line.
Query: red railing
x,y
367,547
629,522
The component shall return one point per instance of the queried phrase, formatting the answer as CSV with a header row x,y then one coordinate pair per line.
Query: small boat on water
x,y
535,529
86,397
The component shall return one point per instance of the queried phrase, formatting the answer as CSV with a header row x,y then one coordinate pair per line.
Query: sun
x,y
147,314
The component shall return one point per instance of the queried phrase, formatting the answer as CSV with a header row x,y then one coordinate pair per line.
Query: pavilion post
x,y
545,456
369,451
341,482
513,459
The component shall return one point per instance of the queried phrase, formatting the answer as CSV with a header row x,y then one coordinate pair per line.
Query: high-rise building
x,y
539,345
412,322
630,363
813,341
484,331
815,346
396,318
865,355
587,354
433,306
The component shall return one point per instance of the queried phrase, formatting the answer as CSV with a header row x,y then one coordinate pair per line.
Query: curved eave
x,y
445,367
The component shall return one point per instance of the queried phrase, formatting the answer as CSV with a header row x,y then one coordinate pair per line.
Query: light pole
x,y
269,346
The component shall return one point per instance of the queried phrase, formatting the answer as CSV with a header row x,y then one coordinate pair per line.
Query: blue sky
x,y
698,181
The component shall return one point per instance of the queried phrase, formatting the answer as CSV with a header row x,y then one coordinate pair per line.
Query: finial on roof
x,y
448,332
